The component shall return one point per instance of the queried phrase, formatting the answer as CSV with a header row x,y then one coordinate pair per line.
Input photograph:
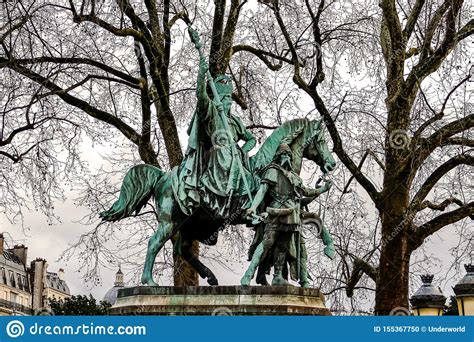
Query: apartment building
x,y
15,289
26,290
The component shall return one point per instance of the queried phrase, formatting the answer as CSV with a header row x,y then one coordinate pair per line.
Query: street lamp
x,y
464,291
428,300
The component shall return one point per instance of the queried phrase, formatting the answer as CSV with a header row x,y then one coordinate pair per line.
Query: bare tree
x,y
423,137
33,170
392,84
110,62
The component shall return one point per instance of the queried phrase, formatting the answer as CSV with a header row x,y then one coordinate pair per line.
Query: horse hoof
x,y
245,281
148,282
279,281
330,251
304,284
212,280
263,281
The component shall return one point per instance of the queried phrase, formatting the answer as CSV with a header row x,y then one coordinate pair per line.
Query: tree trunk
x,y
392,283
393,278
183,273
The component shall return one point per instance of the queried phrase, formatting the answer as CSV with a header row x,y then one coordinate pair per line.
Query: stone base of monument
x,y
219,300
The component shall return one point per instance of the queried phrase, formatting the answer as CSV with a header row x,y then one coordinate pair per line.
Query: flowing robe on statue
x,y
210,173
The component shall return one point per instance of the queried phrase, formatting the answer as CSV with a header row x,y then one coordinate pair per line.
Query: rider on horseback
x,y
216,169
214,173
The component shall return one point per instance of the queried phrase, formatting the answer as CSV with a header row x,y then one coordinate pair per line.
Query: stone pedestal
x,y
219,300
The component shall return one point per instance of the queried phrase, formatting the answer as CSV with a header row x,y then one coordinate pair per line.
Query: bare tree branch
x,y
435,176
441,206
413,18
432,226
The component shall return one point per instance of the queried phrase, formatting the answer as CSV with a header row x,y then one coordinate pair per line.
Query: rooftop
x,y
10,256
53,281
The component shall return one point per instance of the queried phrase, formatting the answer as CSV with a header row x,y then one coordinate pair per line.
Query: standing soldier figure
x,y
285,190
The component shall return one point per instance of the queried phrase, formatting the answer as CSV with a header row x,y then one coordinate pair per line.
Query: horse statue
x,y
145,181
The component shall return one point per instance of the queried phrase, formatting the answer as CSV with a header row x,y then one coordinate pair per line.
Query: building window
x,y
13,297
20,284
3,275
25,283
12,278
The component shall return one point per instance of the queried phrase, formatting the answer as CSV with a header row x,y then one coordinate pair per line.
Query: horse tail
x,y
137,188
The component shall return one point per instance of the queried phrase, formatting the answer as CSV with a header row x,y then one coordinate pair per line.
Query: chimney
x,y
2,241
21,252
38,270
61,274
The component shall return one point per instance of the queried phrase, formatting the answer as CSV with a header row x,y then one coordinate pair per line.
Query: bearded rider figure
x,y
283,189
216,168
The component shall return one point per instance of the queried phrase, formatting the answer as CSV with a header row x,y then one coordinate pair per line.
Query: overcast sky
x,y
49,242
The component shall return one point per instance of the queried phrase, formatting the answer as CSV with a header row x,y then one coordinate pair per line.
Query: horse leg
x,y
328,242
261,277
164,204
259,254
303,271
203,271
156,242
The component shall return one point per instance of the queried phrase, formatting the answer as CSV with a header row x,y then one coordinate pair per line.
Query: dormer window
x,y
25,283
3,275
20,283
12,278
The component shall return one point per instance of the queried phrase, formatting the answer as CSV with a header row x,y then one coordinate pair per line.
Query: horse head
x,y
316,148
308,142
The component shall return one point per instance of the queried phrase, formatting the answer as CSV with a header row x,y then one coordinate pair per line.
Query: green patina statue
x,y
214,161
296,256
216,182
285,189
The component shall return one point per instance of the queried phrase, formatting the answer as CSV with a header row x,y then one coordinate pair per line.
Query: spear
x,y
218,102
